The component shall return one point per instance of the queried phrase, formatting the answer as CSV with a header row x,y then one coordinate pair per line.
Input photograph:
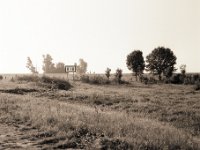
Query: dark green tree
x,y
159,60
135,62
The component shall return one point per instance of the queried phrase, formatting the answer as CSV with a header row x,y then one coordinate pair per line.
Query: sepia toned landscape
x,y
37,114
100,74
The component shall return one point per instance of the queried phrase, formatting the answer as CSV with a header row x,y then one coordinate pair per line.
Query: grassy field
x,y
128,116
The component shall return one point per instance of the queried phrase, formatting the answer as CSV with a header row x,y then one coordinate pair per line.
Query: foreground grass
x,y
177,105
82,126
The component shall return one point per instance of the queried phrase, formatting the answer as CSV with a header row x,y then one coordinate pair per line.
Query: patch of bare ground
x,y
11,137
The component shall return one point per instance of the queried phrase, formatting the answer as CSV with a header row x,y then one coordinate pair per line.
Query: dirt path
x,y
14,138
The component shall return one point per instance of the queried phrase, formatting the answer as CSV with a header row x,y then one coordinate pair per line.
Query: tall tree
x,y
82,67
135,62
30,66
48,65
159,60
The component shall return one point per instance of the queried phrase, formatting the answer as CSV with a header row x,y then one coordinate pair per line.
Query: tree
x,y
168,72
107,73
135,62
30,66
48,65
82,67
159,60
183,69
118,75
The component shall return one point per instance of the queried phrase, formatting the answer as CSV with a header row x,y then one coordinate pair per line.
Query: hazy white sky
x,y
102,32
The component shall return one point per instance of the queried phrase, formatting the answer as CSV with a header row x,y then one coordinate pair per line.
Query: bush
x,y
107,73
195,78
28,78
94,79
1,77
147,80
85,79
197,85
98,80
188,80
49,82
56,83
118,75
177,79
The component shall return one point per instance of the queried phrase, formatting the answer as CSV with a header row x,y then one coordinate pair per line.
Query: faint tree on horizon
x,y
159,60
60,67
82,67
118,75
135,62
30,66
48,65
107,73
183,69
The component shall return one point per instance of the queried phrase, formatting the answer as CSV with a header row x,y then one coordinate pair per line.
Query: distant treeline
x,y
50,67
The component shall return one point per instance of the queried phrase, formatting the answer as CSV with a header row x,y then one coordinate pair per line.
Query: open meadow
x,y
37,114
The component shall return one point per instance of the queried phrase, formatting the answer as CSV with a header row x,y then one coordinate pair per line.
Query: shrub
x,y
188,79
28,78
12,79
195,78
49,82
56,83
143,79
147,80
94,79
197,85
85,79
107,73
97,79
118,75
1,77
177,79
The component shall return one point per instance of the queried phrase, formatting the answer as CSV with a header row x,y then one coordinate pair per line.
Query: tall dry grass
x,y
100,128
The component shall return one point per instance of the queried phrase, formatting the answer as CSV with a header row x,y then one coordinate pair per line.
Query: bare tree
x,y
82,67
30,66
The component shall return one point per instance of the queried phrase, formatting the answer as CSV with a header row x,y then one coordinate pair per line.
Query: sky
x,y
102,32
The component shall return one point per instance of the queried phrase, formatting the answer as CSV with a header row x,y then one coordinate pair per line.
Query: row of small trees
x,y
159,62
50,67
